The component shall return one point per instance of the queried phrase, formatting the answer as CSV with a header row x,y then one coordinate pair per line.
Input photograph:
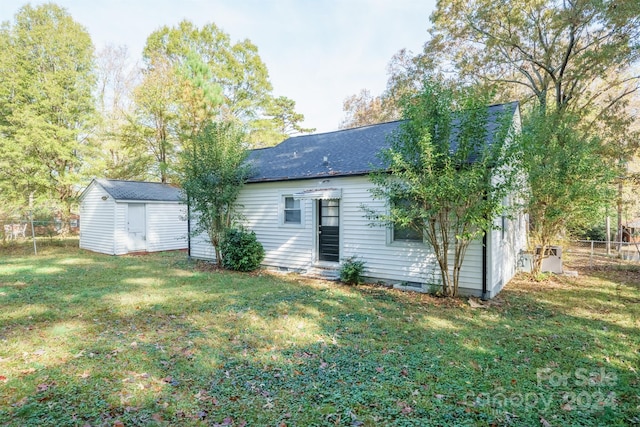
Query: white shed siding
x,y
121,234
96,221
166,226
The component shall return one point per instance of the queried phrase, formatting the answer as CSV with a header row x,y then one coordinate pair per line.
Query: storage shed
x,y
120,217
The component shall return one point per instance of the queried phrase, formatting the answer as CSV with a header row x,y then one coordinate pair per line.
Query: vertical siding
x,y
97,220
166,226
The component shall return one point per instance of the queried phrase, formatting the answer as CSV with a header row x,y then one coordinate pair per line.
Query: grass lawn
x,y
89,339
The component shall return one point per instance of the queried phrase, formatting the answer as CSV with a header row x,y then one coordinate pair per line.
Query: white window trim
x,y
281,216
405,243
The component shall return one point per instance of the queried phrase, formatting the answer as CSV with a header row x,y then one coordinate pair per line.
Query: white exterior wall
x,y
104,224
165,222
294,246
166,226
121,235
97,221
201,247
505,250
287,246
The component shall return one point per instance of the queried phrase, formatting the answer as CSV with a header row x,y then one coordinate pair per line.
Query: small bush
x,y
351,271
241,250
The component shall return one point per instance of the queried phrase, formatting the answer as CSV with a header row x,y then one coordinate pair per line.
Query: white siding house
x,y
120,217
305,203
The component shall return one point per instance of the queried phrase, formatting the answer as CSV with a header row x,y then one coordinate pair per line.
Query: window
x,y
292,212
406,234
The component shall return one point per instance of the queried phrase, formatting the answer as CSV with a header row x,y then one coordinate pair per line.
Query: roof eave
x,y
307,177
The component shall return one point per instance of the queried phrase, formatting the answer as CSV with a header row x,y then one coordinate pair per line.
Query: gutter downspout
x,y
484,268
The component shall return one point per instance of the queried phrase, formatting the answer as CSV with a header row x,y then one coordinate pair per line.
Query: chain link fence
x,y
23,229
593,253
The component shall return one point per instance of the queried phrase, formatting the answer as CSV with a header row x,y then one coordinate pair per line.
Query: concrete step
x,y
322,273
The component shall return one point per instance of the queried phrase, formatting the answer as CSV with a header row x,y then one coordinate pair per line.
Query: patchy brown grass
x,y
90,339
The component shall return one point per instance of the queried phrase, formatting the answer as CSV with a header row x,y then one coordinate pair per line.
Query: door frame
x,y
316,235
136,245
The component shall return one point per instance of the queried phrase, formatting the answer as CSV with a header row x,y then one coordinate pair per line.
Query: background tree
x,y
235,67
558,52
440,175
200,96
213,173
364,109
117,77
279,122
47,108
152,130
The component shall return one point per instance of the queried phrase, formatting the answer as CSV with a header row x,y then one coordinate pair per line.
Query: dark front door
x,y
329,230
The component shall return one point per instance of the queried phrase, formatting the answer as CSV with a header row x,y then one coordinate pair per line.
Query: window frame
x,y
282,211
391,237
409,240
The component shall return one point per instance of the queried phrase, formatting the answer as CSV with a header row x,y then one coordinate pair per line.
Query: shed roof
x,y
139,190
339,153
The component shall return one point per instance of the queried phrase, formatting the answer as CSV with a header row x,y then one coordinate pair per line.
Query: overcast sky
x,y
318,52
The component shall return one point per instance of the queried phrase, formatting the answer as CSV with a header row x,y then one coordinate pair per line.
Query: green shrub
x,y
351,271
241,250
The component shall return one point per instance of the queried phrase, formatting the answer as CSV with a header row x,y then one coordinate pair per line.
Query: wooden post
x,y
608,222
33,230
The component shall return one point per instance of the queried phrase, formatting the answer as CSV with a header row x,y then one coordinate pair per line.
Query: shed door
x,y
136,227
329,230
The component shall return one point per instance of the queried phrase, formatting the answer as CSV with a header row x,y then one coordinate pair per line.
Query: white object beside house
x,y
120,217
304,201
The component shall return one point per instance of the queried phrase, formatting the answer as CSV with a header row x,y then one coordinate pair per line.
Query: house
x,y
631,231
120,217
304,202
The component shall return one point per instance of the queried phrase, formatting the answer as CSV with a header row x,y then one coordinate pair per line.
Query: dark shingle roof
x,y
137,190
347,152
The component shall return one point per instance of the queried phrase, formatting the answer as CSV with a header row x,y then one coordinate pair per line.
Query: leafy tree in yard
x,y
575,61
47,108
443,179
570,175
213,173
